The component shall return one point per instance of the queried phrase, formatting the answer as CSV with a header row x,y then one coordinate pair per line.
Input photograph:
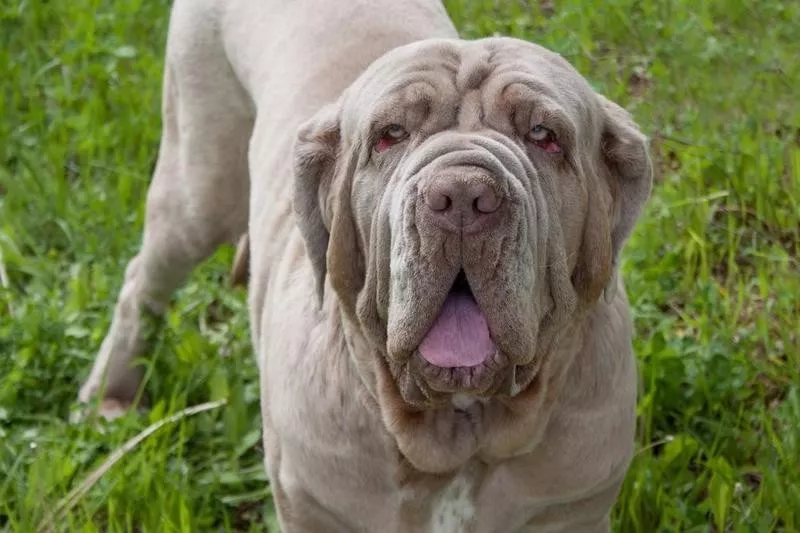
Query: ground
x,y
712,269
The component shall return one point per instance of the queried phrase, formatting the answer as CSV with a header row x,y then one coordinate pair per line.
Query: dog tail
x,y
240,270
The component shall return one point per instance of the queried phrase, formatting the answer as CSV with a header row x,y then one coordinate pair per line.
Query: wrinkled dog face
x,y
467,199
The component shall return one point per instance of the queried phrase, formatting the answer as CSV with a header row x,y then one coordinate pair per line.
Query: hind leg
x,y
198,198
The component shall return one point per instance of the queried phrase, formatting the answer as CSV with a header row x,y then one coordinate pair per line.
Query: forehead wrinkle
x,y
475,67
425,76
551,76
411,99
471,111
383,80
413,69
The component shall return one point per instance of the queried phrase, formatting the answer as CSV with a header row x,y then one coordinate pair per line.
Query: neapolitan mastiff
x,y
434,230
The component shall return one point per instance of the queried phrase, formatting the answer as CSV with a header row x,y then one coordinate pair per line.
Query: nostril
x,y
438,201
460,199
488,202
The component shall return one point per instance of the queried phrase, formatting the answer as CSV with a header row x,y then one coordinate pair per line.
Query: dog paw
x,y
108,409
111,408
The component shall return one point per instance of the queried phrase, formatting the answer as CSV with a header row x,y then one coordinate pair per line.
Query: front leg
x,y
299,512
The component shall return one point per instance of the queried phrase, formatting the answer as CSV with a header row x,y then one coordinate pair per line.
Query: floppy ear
x,y
315,153
625,165
322,182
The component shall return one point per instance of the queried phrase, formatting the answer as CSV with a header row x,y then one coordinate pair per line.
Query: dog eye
x,y
390,136
544,138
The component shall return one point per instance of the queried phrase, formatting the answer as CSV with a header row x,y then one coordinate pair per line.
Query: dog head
x,y
466,200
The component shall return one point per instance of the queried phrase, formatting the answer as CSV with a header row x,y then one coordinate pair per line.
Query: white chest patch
x,y
454,508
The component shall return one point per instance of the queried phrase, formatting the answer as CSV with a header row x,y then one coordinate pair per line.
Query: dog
x,y
433,229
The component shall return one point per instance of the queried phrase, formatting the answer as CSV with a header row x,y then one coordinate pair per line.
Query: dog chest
x,y
455,506
440,504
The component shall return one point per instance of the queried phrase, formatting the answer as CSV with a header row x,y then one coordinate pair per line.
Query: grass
x,y
712,269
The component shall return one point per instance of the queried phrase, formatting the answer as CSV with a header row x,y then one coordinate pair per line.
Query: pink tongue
x,y
459,336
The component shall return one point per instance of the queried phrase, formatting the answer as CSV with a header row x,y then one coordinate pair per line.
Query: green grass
x,y
712,269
